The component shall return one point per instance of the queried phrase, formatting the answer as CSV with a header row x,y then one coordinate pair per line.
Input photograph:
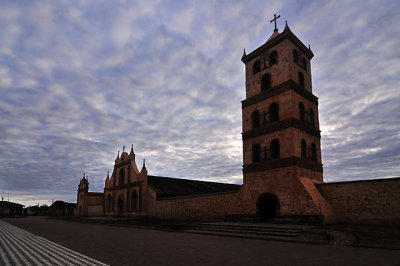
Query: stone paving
x,y
123,245
19,247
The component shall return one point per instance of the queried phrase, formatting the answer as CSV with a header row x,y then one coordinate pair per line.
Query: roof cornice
x,y
286,34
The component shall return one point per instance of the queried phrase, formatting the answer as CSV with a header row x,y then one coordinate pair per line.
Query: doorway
x,y
267,207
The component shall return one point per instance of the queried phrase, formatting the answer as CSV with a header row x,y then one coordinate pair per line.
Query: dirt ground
x,y
121,245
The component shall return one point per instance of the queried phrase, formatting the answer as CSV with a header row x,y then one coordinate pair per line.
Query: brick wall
x,y
201,207
368,202
284,70
282,182
93,204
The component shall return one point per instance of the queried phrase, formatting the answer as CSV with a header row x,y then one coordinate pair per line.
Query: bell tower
x,y
281,136
83,189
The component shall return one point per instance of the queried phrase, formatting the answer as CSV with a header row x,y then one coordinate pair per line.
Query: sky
x,y
81,79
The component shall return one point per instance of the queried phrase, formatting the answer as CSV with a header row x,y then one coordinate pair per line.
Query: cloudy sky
x,y
80,79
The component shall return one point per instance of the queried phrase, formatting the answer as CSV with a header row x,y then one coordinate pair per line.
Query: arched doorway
x,y
267,207
120,205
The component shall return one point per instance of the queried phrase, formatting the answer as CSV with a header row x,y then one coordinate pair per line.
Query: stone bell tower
x,y
281,136
83,189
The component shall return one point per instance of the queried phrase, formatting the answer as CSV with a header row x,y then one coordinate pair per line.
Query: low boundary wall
x,y
197,207
375,201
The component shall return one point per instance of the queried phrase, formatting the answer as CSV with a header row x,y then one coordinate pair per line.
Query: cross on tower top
x,y
274,20
123,148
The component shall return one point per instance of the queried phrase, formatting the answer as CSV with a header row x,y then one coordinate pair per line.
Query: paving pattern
x,y
19,247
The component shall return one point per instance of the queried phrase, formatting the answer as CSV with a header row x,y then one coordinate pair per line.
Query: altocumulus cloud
x,y
80,79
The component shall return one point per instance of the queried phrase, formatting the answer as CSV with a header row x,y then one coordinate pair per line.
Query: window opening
x,y
295,56
275,149
313,152
311,117
256,66
303,148
274,112
255,118
265,82
256,153
273,58
121,177
301,79
302,112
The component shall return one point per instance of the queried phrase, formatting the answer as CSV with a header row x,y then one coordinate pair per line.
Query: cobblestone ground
x,y
19,247
117,245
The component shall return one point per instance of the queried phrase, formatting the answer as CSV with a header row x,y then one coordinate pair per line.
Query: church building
x,y
282,166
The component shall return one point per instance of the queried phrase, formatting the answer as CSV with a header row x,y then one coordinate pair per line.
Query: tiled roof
x,y
166,187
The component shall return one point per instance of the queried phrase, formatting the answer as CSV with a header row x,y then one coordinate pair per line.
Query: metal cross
x,y
123,149
275,18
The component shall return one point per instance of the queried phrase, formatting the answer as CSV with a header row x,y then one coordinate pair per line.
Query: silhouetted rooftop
x,y
62,204
4,203
167,187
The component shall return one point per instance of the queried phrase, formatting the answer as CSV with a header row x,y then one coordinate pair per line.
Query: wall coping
x,y
361,181
94,193
198,195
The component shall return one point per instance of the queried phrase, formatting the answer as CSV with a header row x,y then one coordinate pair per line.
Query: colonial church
x,y
282,167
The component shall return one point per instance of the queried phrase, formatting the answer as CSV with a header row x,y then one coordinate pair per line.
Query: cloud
x,y
79,80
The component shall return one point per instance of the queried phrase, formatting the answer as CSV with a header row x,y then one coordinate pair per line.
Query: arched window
x,y
273,58
304,63
121,177
295,56
256,66
303,148
275,149
311,117
302,112
108,203
265,82
313,152
255,119
133,200
274,112
301,79
256,150
121,205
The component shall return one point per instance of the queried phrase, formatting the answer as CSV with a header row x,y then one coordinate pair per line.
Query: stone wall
x,y
366,202
94,204
200,207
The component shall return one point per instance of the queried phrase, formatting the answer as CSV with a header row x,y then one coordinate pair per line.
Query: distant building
x,y
61,208
282,163
8,208
37,210
32,210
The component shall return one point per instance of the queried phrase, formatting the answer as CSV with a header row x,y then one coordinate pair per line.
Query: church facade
x,y
282,166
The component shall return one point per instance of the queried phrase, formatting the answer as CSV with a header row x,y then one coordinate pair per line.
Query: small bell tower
x,y
83,189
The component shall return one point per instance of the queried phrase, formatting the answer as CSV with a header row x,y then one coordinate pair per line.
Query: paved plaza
x,y
19,247
116,245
